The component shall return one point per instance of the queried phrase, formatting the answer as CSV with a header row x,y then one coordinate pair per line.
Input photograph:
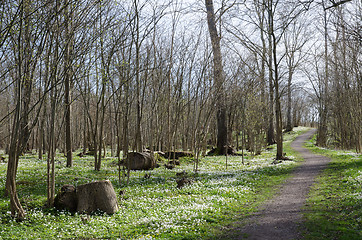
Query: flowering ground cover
x,y
150,208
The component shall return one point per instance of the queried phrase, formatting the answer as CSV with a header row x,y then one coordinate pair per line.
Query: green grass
x,y
150,208
334,206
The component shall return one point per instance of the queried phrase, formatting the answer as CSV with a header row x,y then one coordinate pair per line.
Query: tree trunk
x,y
53,78
67,91
67,102
264,96
289,126
270,133
278,111
20,131
218,80
101,123
138,136
15,145
27,82
41,135
322,126
15,205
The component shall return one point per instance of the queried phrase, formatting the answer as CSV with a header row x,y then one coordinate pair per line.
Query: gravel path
x,y
280,217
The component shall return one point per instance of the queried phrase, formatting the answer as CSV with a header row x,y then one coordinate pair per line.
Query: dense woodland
x,y
175,75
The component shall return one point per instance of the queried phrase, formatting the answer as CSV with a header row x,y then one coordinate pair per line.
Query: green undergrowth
x,y
150,208
334,206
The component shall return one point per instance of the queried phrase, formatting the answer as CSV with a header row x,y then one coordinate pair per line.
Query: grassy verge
x,y
334,206
151,208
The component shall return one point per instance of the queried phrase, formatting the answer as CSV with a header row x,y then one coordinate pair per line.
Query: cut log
x,y
95,196
140,161
66,199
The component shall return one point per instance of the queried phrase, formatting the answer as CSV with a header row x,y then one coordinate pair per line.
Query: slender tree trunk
x,y
85,131
218,80
53,78
264,95
126,112
27,78
41,133
138,137
111,131
20,131
322,126
67,86
51,152
15,205
278,111
289,126
270,133
103,109
125,131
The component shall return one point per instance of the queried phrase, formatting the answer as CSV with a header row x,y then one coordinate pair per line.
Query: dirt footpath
x,y
280,217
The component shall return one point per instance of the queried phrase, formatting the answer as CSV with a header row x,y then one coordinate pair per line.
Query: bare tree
x,y
26,51
294,41
67,79
323,104
218,80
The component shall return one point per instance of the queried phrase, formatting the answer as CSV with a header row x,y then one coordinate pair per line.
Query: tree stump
x,y
95,196
183,182
140,161
66,198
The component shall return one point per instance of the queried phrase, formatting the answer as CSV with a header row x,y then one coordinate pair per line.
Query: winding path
x,y
280,217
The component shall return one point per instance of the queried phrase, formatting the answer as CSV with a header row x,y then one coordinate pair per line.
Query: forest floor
x,y
150,208
214,206
281,217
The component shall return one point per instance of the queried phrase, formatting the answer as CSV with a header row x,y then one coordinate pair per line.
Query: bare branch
x,y
336,4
